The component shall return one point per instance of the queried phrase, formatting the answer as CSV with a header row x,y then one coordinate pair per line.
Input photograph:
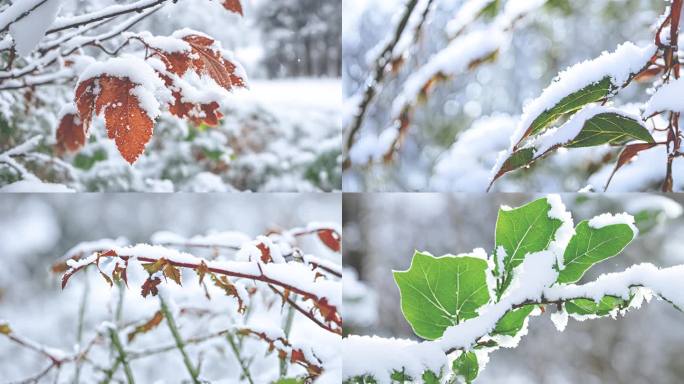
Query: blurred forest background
x,y
36,230
646,346
283,134
549,39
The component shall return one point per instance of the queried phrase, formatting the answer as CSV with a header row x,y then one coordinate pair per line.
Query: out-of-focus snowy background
x,y
647,346
36,230
558,34
283,134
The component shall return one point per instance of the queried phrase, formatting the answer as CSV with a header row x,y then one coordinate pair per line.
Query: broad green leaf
x,y
512,322
592,245
521,231
466,366
571,104
590,307
438,292
430,377
610,128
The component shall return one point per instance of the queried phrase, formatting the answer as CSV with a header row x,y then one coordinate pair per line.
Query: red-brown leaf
x,y
233,6
150,287
330,238
71,134
127,123
148,326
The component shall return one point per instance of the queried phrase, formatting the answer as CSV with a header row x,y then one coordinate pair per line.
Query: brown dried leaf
x,y
150,287
265,253
172,273
148,326
5,329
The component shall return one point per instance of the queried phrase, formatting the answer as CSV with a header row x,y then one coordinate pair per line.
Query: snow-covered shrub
x,y
467,306
234,301
579,115
88,88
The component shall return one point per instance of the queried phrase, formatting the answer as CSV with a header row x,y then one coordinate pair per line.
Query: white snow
x,y
150,86
669,207
379,357
29,30
35,186
565,232
571,128
666,98
560,320
618,65
607,219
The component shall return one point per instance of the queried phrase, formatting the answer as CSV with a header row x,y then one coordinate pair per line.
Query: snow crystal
x,y
666,98
607,219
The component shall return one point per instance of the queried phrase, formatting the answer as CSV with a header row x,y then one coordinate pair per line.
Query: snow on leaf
x,y
29,30
522,231
127,122
462,290
592,245
466,366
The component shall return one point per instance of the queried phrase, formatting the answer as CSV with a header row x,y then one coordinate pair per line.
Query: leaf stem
x,y
116,342
236,350
180,344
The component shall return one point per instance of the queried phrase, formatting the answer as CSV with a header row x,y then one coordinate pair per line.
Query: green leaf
x,y
521,231
519,158
610,128
571,104
438,292
430,377
512,322
466,366
590,307
592,245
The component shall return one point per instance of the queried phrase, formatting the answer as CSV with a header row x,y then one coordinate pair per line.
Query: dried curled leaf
x,y
127,122
150,287
71,135
230,289
147,326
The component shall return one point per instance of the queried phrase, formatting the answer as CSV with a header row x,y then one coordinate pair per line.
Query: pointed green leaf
x,y
590,246
571,104
438,292
610,128
430,377
521,231
519,158
590,307
512,322
466,366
